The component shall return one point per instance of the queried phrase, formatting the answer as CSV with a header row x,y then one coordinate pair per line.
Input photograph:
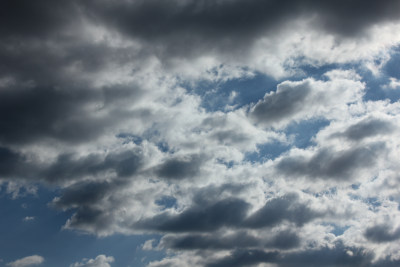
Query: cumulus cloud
x,y
97,99
99,261
382,233
367,128
308,99
327,163
33,260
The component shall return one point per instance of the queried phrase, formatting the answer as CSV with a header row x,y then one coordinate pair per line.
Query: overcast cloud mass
x,y
201,133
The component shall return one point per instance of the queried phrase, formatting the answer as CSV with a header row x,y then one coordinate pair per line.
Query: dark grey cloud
x,y
245,257
92,219
230,137
210,215
367,128
210,194
285,208
85,194
15,165
67,167
199,218
327,163
180,167
84,198
284,240
382,233
283,103
232,24
222,19
31,114
337,256
240,239
9,161
22,18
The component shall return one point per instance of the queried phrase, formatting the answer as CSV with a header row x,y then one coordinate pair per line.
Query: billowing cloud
x,y
327,163
104,104
33,260
99,261
382,233
308,99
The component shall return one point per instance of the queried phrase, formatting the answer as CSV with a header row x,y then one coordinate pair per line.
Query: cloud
x,y
331,164
178,168
72,116
286,101
99,261
382,233
338,255
226,212
28,218
393,84
279,209
367,128
224,20
245,258
27,261
105,101
307,99
239,239
123,163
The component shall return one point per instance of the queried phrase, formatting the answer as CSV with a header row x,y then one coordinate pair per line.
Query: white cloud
x,y
99,261
148,245
393,84
27,261
309,98
28,218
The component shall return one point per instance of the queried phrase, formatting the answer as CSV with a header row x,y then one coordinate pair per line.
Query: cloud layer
x,y
103,102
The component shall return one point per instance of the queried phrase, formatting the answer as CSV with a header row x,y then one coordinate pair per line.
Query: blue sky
x,y
199,133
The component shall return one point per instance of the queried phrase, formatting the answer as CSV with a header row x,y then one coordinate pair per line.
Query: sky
x,y
202,133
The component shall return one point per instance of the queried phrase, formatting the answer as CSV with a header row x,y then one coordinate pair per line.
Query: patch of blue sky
x,y
130,138
267,151
317,72
373,202
166,202
338,230
392,67
301,135
375,89
41,234
374,83
355,186
163,146
216,96
149,135
228,164
303,132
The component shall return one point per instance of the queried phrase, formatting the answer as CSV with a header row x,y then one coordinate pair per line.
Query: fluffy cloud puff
x,y
99,261
27,261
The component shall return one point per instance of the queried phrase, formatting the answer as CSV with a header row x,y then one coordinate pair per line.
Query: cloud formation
x,y
33,260
99,261
103,103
